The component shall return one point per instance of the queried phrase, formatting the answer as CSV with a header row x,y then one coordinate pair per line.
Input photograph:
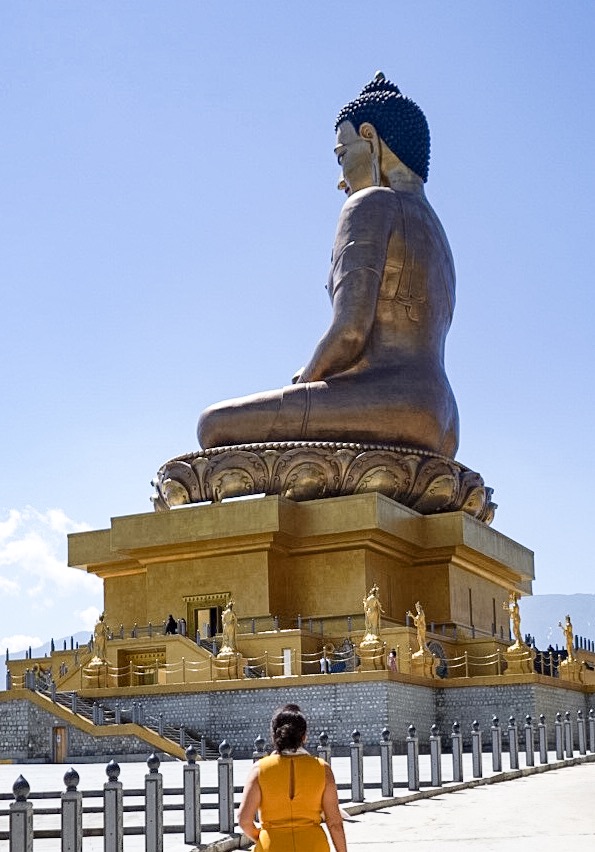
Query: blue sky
x,y
167,213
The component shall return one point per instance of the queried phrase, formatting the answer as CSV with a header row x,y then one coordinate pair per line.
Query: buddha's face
x,y
355,153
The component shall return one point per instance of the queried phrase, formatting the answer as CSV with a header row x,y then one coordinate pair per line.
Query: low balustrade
x,y
188,671
198,805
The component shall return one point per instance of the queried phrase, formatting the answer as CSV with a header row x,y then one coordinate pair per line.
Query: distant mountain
x,y
81,638
541,614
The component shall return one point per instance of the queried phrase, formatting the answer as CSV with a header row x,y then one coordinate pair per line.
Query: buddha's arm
x,y
354,310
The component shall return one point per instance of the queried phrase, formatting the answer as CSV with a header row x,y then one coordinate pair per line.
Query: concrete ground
x,y
542,812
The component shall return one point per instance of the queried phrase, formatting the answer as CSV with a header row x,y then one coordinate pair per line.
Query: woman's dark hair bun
x,y
288,727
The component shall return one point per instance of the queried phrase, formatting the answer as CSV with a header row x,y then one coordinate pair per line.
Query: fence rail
x,y
189,799
335,661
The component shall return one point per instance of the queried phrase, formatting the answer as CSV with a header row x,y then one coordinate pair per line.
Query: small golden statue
x,y
371,650
372,612
100,634
228,660
512,607
230,628
519,656
419,622
423,662
569,638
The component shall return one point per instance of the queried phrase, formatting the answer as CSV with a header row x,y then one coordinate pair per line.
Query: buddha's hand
x,y
297,377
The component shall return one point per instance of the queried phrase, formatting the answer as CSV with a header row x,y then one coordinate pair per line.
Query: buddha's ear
x,y
368,131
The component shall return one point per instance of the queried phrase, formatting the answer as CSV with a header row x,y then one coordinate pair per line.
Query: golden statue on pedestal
x,y
519,656
229,622
372,612
371,649
568,631
228,660
100,634
512,607
423,662
375,389
419,622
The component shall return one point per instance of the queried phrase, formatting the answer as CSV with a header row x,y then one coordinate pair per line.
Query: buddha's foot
x,y
418,479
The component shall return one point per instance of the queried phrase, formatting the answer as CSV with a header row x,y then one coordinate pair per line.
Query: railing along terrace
x,y
195,803
331,625
336,661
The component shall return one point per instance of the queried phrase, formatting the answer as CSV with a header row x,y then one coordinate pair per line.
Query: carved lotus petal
x,y
438,494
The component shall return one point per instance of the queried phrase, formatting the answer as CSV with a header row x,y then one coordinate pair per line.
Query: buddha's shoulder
x,y
371,196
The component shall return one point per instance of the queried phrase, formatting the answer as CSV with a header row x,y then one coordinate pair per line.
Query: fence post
x,y
386,763
95,713
203,747
356,751
324,747
412,758
153,806
118,716
53,690
457,752
568,738
435,757
559,737
592,730
476,746
259,750
191,797
542,735
113,820
496,745
182,736
21,818
582,739
225,786
513,743
72,814
529,742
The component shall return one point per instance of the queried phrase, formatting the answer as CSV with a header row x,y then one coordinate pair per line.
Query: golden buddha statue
x,y
372,410
377,374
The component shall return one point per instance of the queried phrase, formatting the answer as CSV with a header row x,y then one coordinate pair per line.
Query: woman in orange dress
x,y
291,790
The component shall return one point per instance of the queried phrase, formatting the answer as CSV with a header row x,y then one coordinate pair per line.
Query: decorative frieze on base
x,y
415,478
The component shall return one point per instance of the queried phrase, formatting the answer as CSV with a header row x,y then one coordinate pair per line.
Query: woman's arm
x,y
250,804
330,806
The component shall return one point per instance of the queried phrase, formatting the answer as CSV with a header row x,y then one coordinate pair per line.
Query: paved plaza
x,y
545,811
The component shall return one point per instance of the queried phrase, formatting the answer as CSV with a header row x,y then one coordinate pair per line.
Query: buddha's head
x,y
378,129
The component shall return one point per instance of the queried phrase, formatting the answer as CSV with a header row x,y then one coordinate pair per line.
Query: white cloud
x,y
33,554
8,526
38,591
19,641
88,617
8,587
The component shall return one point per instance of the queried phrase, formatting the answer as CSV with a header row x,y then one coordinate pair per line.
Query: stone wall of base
x,y
239,716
